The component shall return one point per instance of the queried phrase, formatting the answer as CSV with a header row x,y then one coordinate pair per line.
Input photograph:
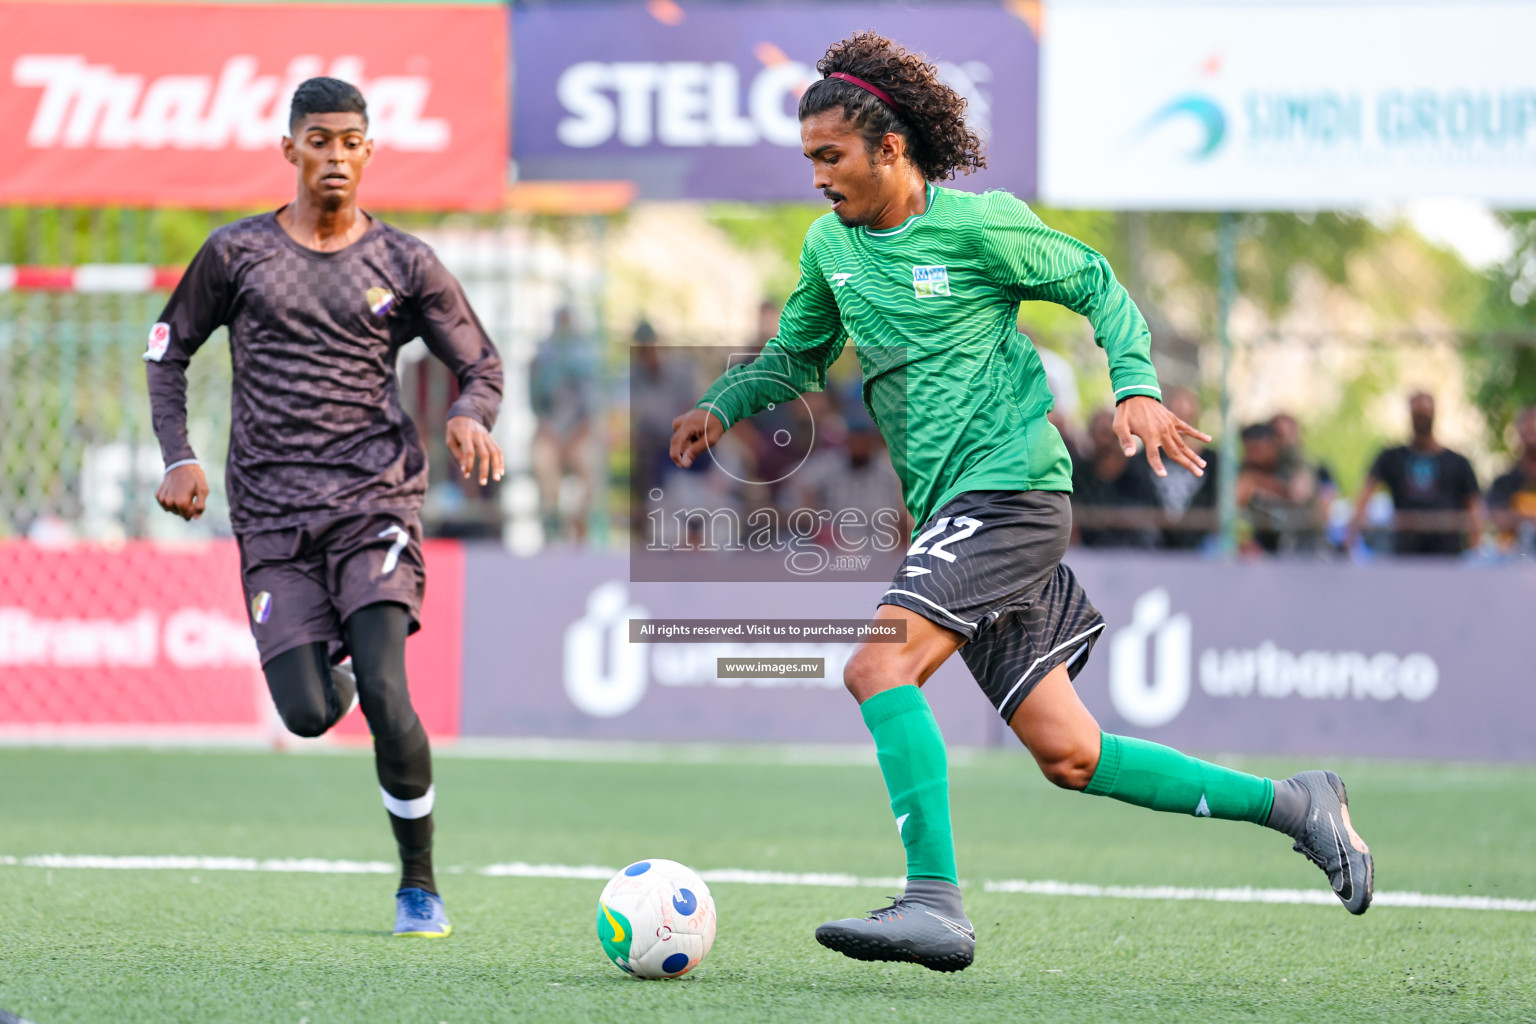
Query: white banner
x,y
1287,106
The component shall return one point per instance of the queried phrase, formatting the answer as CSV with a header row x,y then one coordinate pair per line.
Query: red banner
x,y
185,104
152,641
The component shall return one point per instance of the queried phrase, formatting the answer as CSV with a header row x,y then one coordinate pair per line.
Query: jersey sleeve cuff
x,y
1148,389
468,410
714,409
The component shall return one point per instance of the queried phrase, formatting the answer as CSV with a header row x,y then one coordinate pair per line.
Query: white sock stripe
x,y
417,808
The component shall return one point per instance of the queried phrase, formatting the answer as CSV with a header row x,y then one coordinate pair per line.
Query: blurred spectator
x,y
1512,498
859,476
662,386
767,324
1188,501
1277,501
1434,490
562,382
1306,480
1114,502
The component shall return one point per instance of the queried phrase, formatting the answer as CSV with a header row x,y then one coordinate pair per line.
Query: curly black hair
x,y
931,115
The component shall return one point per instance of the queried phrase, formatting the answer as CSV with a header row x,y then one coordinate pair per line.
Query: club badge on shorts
x,y
261,608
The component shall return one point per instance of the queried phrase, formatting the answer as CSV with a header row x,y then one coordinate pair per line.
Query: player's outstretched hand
x,y
184,491
692,432
1161,431
470,443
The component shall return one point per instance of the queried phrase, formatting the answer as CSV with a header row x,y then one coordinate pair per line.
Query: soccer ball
x,y
656,919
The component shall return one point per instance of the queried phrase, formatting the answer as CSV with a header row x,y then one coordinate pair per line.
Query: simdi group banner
x,y
698,101
1287,106
184,104
146,641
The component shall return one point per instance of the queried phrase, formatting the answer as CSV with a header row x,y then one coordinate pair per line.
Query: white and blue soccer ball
x,y
656,919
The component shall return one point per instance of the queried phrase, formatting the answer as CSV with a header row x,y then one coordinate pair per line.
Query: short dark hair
x,y
931,116
326,96
1258,432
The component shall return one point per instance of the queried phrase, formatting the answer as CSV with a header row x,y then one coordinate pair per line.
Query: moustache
x,y
832,196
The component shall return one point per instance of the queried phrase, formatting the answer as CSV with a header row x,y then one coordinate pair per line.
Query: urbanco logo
x,y
1150,693
1156,698
605,675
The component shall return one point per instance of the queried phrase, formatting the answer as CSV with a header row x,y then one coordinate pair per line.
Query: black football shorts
x,y
988,566
303,582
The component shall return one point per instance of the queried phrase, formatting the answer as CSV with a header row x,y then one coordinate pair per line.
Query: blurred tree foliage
x,y
1502,353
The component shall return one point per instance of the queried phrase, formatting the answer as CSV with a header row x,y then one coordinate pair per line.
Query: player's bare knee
x,y
1072,770
866,674
1068,764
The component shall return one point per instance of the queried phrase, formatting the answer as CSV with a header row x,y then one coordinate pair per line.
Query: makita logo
x,y
95,106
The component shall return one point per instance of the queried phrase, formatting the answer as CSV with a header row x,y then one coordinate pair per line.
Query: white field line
x,y
593,872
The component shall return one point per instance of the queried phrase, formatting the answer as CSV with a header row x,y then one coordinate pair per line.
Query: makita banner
x,y
698,100
185,104
148,641
1401,660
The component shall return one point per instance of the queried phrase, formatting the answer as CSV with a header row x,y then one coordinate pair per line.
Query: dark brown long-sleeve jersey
x,y
316,426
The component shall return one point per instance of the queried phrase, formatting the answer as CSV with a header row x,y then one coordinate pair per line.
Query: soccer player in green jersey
x,y
926,282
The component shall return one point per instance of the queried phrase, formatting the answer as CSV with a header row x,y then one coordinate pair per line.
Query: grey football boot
x,y
1328,840
926,925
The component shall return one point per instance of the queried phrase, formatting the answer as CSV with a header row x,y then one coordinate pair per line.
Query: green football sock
x,y
1152,775
916,769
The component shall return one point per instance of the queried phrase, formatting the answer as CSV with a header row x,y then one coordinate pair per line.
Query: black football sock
x,y
402,754
404,765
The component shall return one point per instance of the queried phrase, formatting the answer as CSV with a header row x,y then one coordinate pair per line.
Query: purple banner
x,y
1401,660
698,101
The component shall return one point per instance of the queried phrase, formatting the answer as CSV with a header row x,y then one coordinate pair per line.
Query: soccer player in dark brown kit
x,y
326,472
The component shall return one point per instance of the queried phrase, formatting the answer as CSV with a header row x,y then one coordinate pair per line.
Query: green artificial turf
x,y
96,945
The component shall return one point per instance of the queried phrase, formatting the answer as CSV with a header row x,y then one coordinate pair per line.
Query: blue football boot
x,y
419,912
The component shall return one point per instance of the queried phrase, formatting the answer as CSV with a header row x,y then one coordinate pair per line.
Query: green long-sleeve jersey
x,y
932,308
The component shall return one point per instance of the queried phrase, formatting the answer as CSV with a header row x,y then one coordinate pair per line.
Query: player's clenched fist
x,y
692,432
184,491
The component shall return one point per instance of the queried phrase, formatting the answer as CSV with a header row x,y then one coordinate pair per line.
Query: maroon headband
x,y
875,91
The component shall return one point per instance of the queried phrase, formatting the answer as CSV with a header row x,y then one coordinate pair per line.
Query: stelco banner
x,y
1397,660
185,104
699,101
1285,107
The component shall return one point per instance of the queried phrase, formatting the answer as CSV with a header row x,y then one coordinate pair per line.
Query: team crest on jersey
x,y
159,341
930,281
261,608
380,300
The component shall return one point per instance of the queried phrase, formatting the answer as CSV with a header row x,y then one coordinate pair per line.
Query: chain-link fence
x,y
79,289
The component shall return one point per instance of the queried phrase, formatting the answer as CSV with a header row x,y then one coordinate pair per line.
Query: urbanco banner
x,y
1286,106
1409,660
170,104
698,101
